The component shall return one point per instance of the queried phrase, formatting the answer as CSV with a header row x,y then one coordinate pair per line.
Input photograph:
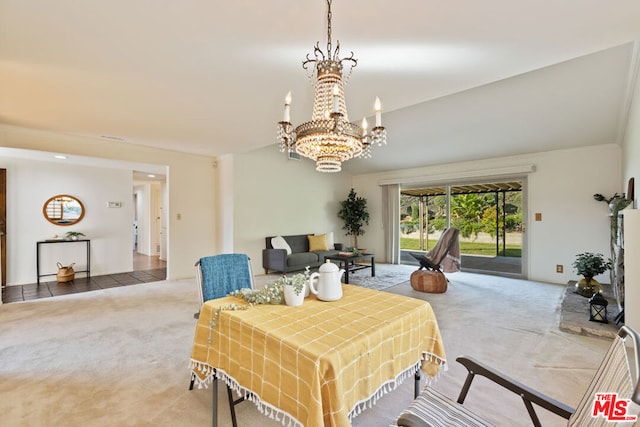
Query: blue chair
x,y
217,276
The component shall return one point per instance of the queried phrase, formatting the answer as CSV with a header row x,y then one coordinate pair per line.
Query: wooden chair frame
x,y
530,397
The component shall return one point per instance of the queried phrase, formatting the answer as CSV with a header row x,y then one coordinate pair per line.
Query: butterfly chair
x,y
614,376
217,276
446,245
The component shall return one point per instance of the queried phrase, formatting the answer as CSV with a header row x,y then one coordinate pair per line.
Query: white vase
x,y
290,297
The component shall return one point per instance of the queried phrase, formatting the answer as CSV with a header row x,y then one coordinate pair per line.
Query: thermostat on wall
x,y
114,204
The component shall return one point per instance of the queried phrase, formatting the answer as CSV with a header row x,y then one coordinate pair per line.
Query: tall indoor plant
x,y
355,215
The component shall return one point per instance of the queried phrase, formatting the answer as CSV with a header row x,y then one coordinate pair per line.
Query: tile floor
x,y
146,269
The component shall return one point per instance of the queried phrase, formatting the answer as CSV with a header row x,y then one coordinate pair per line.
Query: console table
x,y
46,242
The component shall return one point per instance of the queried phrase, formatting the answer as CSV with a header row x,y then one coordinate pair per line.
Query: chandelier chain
x,y
329,15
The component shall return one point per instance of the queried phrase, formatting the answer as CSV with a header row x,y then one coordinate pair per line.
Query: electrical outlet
x,y
559,268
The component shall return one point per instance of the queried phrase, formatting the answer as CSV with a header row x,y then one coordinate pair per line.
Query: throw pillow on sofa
x,y
330,242
278,242
318,243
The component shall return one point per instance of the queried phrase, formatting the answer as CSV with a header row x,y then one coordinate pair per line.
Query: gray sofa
x,y
300,257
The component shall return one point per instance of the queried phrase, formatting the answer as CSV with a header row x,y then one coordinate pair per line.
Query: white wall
x,y
631,143
561,188
632,268
31,183
631,169
276,196
224,203
191,183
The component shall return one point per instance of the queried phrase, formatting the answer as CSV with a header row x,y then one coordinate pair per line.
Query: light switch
x,y
538,216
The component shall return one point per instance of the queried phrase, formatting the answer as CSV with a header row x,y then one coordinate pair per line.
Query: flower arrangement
x,y
270,294
273,293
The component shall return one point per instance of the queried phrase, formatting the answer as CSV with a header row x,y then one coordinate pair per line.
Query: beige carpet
x,y
120,356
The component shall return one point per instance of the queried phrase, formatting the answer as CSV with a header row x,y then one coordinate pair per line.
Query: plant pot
x,y
290,297
306,292
588,288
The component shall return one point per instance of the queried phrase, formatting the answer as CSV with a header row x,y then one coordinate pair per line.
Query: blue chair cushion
x,y
224,273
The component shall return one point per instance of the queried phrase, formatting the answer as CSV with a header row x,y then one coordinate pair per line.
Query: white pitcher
x,y
329,285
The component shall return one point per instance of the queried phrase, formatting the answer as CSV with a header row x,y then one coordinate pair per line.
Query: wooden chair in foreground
x,y
612,398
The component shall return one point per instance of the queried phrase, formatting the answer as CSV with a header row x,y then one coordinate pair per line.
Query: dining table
x,y
320,363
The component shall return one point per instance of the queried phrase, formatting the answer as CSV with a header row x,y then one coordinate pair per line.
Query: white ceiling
x,y
209,77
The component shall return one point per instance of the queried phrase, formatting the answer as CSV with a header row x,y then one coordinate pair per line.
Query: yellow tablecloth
x,y
320,363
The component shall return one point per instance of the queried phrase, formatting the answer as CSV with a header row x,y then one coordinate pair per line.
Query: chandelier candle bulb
x,y
336,99
364,126
287,107
378,107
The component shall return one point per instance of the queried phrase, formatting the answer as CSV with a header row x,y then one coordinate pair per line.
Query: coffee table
x,y
351,264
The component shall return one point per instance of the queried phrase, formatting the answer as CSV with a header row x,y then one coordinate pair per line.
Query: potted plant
x,y
589,265
73,235
293,288
355,215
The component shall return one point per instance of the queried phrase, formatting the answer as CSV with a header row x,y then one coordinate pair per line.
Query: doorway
x,y
489,216
149,221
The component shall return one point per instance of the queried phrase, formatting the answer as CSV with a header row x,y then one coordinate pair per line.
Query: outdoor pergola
x,y
423,195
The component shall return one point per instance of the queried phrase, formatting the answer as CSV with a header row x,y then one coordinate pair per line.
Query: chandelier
x,y
329,138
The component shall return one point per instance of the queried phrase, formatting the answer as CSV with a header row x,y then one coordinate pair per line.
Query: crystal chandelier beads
x,y
329,138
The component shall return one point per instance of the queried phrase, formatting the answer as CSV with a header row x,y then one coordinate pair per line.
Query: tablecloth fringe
x,y
268,410
430,357
203,369
390,386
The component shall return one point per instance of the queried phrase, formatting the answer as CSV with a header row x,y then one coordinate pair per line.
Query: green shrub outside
x,y
466,248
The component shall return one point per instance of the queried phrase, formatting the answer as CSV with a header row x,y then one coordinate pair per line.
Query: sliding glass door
x,y
488,215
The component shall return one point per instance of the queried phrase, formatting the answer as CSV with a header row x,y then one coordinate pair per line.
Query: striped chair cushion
x,y
432,408
613,376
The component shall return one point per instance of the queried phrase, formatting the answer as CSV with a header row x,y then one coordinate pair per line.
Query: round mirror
x,y
63,210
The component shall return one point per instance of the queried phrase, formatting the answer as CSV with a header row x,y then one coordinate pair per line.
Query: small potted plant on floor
x,y
589,265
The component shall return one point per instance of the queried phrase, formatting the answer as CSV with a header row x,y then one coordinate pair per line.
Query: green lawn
x,y
467,248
